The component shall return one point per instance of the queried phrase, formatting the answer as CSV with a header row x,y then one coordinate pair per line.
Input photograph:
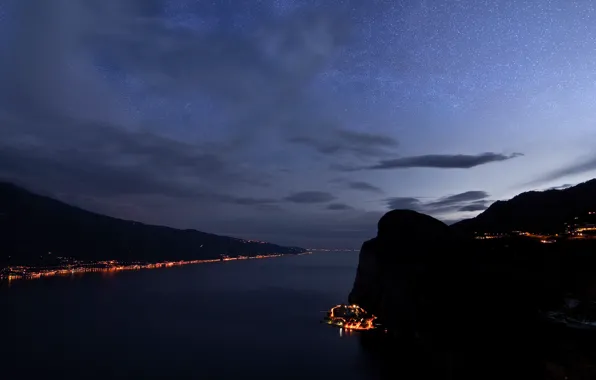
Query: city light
x,y
580,228
350,317
109,266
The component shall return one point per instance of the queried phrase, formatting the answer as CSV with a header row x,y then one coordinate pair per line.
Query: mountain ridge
x,y
534,211
33,225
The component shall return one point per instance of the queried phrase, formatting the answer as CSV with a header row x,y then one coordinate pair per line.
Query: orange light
x,y
29,273
366,322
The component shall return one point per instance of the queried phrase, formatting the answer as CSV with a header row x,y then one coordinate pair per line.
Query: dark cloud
x,y
279,56
68,129
463,202
52,61
349,142
310,197
105,161
339,207
443,161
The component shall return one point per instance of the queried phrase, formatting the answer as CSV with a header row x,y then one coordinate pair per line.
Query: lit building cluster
x,y
351,317
29,273
583,227
489,235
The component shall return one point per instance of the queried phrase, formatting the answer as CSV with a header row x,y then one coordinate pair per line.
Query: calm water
x,y
215,321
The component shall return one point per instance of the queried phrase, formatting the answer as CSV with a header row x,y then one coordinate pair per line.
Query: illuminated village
x,y
72,266
580,228
351,317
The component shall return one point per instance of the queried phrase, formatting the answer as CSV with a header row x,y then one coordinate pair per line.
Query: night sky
x,y
297,122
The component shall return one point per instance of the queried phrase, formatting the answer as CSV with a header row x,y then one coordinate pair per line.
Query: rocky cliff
x,y
461,308
418,275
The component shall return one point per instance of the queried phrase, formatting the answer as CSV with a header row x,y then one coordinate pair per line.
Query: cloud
x,y
66,120
279,57
310,197
474,206
463,202
579,167
405,203
339,207
54,62
367,139
364,186
457,199
168,111
561,187
101,160
247,201
358,185
442,161
343,141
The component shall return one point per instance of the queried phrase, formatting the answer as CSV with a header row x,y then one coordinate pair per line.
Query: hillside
x,y
33,225
534,211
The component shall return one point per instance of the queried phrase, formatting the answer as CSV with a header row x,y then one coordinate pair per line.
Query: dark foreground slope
x,y
534,211
33,225
463,307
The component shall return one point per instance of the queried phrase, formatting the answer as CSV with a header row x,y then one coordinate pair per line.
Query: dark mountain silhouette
x,y
534,211
31,226
484,302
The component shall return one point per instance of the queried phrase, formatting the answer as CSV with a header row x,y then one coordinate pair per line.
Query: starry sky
x,y
297,122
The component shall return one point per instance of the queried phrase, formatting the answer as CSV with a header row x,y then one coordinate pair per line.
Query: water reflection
x,y
346,333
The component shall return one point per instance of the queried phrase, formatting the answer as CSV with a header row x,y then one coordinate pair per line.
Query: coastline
x,y
19,273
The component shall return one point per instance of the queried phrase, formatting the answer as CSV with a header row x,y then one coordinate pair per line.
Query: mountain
x,y
534,211
31,226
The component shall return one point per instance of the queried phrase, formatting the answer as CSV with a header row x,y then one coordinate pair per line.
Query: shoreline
x,y
21,273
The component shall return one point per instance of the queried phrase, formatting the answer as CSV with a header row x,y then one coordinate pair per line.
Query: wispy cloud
x,y
580,167
358,185
343,141
457,199
101,160
339,207
364,186
247,201
405,203
561,187
310,197
474,206
464,202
